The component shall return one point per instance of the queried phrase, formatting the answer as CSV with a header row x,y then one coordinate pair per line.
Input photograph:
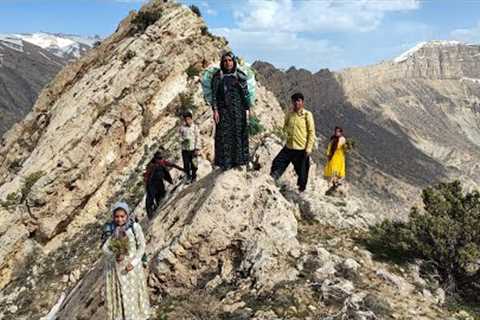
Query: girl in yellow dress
x,y
335,167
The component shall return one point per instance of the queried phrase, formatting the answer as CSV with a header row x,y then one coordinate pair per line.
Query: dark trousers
x,y
301,164
188,164
154,195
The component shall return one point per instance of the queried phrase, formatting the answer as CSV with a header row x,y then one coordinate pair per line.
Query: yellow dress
x,y
336,166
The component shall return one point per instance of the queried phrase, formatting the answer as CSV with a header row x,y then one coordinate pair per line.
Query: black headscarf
x,y
231,55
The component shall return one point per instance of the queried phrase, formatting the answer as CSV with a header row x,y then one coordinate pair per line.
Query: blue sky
x,y
312,34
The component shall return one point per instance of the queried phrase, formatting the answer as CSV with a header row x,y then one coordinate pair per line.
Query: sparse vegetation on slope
x,y
445,234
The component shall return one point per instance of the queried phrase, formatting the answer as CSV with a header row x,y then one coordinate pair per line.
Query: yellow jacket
x,y
300,130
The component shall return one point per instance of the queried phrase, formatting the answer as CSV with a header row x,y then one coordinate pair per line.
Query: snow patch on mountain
x,y
61,45
11,42
436,43
65,46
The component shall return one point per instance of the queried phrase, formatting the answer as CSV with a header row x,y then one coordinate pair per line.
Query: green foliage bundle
x,y
119,246
186,103
254,126
446,235
192,71
350,144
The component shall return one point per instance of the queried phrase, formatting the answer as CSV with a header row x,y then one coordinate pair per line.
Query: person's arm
x,y
285,123
173,165
214,85
180,134
106,248
196,139
140,238
245,94
341,142
216,114
310,133
145,176
327,152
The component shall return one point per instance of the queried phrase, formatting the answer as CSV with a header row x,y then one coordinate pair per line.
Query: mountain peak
x,y
62,45
426,44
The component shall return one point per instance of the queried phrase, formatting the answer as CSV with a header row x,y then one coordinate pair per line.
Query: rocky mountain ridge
x,y
234,245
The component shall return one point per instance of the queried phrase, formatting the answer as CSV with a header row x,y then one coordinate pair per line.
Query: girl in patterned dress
x,y
126,291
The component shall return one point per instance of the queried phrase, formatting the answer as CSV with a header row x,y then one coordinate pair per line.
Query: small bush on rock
x,y
445,234
255,126
186,103
195,10
192,71
144,19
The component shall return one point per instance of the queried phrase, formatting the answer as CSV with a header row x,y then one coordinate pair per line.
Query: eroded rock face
x,y
227,224
87,141
415,121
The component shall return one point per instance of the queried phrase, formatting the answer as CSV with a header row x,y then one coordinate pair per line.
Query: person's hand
x,y
119,258
307,153
216,116
196,152
129,267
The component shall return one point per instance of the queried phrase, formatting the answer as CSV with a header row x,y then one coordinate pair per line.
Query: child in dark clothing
x,y
154,176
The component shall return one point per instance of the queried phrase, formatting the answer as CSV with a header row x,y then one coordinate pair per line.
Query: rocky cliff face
x,y
415,119
234,245
24,70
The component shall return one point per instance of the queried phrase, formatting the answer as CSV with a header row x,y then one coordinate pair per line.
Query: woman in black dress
x,y
231,105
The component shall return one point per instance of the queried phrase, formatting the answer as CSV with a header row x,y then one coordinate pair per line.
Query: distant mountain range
x,y
416,118
27,63
64,46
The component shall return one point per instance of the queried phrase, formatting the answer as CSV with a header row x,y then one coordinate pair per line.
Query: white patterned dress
x,y
126,293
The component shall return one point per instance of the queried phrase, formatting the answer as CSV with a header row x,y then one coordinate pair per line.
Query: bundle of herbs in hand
x,y
350,144
119,243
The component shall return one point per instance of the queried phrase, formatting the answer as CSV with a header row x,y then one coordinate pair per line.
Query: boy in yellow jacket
x,y
300,130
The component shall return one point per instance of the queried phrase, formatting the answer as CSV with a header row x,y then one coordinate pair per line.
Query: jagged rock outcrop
x,y
415,119
86,144
88,139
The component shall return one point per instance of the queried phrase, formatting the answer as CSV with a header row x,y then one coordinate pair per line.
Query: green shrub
x,y
11,200
192,71
28,183
446,234
128,56
19,197
254,126
144,19
186,103
195,10
204,30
